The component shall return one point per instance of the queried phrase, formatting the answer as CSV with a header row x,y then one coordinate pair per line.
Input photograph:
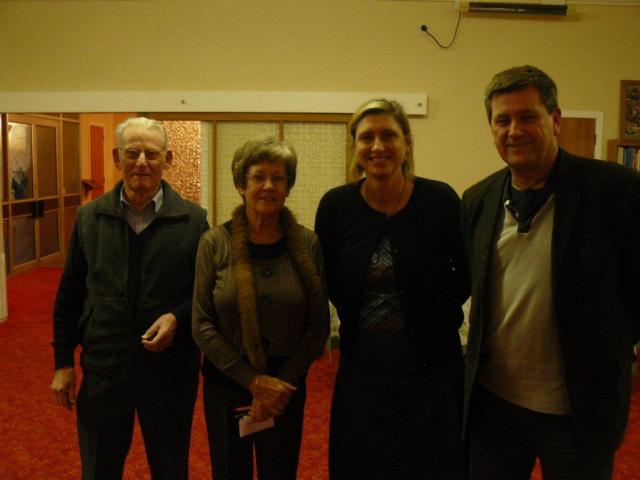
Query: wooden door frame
x,y
104,157
599,118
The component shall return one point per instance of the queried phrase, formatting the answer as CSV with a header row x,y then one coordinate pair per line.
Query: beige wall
x,y
325,45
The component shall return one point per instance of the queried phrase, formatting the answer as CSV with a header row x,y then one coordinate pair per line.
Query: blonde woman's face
x,y
380,146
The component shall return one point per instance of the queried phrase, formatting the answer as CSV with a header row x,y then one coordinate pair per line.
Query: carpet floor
x,y
38,439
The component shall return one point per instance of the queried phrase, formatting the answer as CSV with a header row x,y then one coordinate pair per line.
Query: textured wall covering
x,y
321,149
184,175
230,136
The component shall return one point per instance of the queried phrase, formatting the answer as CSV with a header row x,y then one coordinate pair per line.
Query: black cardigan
x,y
428,260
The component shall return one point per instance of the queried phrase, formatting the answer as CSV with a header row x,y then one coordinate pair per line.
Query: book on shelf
x,y
630,157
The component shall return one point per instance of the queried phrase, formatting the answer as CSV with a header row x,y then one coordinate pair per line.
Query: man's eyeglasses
x,y
278,181
133,154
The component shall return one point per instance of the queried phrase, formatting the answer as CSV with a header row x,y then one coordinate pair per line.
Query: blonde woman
x,y
397,276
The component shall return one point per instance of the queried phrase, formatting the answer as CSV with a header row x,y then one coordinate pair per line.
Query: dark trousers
x,y
506,440
277,449
106,409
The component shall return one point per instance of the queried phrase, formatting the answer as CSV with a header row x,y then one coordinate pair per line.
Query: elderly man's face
x,y
141,173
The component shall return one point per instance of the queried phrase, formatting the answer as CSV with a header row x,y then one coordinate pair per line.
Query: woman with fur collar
x,y
260,315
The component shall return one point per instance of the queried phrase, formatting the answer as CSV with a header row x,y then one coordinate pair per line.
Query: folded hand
x,y
272,393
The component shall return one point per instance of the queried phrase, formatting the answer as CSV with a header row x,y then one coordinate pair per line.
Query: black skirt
x,y
393,417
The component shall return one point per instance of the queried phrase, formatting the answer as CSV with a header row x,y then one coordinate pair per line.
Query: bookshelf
x,y
619,153
627,155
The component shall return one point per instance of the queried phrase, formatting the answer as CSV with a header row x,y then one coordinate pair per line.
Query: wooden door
x,y
96,148
578,136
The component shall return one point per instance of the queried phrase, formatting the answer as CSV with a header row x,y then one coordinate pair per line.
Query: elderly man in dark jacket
x,y
125,298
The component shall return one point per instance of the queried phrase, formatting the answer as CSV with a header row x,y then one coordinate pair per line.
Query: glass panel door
x,y
34,202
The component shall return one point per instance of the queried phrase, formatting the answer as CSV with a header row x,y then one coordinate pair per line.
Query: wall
x,y
325,45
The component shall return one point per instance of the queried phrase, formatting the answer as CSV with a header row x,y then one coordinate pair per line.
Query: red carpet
x,y
38,439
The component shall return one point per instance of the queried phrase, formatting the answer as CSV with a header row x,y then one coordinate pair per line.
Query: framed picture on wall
x,y
629,112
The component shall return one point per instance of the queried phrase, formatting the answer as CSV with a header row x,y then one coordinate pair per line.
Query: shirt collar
x,y
157,200
525,204
548,188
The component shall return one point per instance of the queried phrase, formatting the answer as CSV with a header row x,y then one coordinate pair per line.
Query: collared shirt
x,y
525,204
139,220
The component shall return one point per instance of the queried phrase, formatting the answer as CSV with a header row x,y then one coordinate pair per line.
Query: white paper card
x,y
248,425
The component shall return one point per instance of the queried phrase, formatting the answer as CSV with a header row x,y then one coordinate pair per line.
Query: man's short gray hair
x,y
144,122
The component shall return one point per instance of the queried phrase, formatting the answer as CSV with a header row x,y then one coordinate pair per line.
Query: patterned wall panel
x,y
206,154
230,136
184,139
321,149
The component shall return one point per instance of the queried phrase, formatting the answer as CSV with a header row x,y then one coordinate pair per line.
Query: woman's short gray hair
x,y
263,149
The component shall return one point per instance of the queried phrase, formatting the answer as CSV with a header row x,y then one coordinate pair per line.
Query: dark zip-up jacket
x,y
116,284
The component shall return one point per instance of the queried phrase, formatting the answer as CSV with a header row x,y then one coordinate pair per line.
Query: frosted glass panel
x,y
230,136
49,234
71,157
321,149
24,240
20,161
47,154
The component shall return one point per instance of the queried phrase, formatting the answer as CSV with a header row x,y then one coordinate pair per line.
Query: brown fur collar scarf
x,y
246,289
